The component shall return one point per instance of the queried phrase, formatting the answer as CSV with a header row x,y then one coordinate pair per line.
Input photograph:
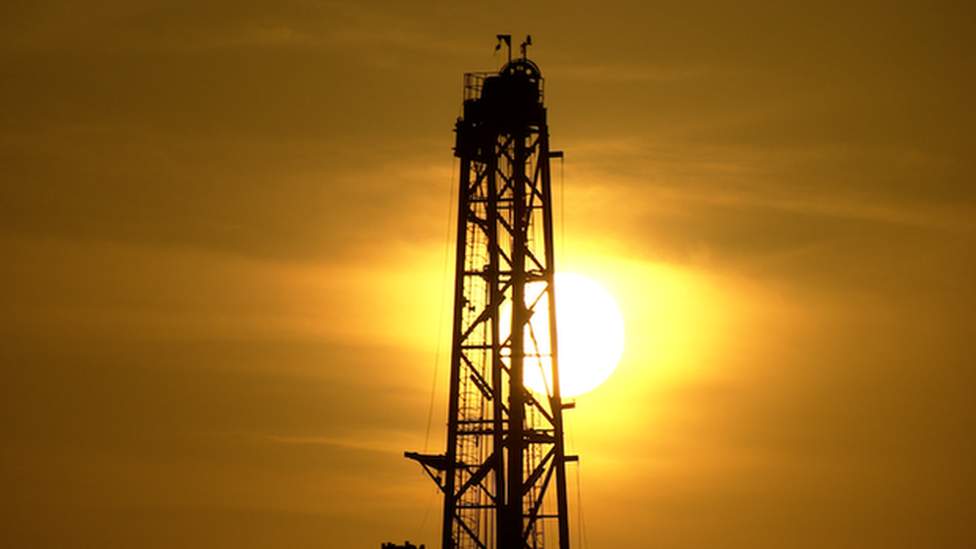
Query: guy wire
x,y
444,291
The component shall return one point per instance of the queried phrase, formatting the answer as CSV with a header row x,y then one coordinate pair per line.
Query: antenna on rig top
x,y
507,38
525,46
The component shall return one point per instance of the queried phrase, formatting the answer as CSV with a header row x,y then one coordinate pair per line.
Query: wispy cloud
x,y
373,441
630,73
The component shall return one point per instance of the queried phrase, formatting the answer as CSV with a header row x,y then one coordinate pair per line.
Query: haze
x,y
225,242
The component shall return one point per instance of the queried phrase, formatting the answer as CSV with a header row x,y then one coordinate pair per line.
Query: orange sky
x,y
224,233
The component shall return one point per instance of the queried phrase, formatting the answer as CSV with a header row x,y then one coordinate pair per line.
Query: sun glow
x,y
590,334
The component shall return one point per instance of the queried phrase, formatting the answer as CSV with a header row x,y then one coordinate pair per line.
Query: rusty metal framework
x,y
503,474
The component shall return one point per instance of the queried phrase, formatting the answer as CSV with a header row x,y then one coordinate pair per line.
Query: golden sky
x,y
225,246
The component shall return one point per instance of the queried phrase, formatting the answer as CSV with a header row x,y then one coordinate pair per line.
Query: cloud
x,y
627,73
224,233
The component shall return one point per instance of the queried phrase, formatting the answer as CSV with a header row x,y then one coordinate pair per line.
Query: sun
x,y
590,333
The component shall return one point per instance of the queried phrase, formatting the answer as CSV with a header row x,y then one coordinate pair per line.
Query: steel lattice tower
x,y
503,475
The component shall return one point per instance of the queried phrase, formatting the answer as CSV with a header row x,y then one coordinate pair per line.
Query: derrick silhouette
x,y
503,473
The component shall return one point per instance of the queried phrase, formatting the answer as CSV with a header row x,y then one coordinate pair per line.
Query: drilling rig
x,y
503,474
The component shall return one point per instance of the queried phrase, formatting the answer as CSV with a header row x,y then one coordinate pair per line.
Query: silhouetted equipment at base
x,y
406,545
503,475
